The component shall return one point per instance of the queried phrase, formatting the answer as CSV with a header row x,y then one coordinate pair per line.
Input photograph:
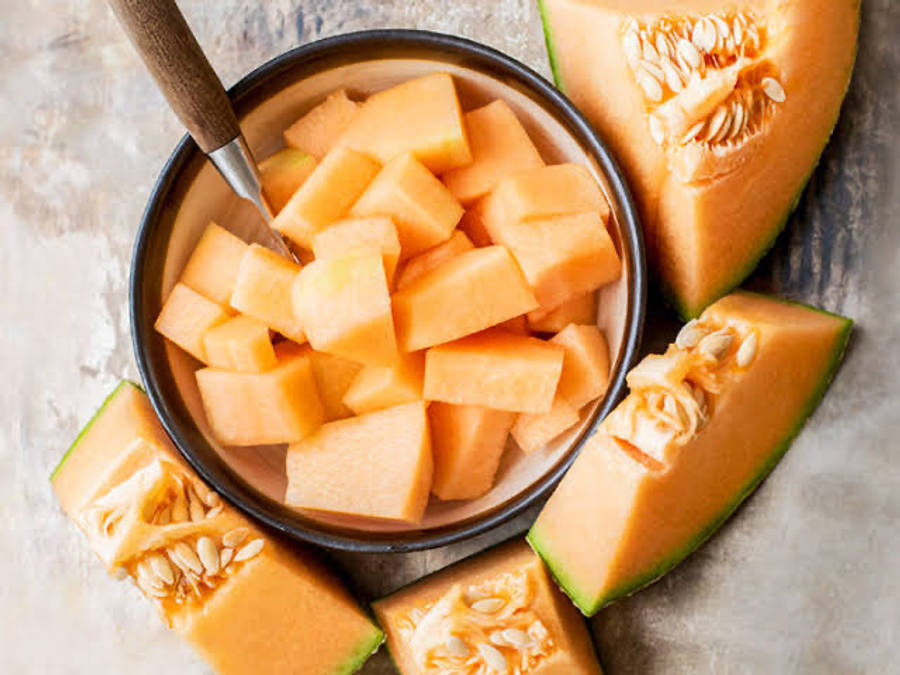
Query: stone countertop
x,y
803,579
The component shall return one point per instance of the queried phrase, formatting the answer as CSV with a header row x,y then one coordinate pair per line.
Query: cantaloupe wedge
x,y
355,235
376,465
534,431
281,405
186,317
472,223
241,344
494,369
426,261
585,373
318,130
283,173
699,430
500,146
263,290
326,196
345,308
420,116
333,376
581,309
377,387
423,210
473,291
467,442
213,266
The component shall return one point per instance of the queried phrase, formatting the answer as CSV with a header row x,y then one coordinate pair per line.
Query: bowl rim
x,y
247,499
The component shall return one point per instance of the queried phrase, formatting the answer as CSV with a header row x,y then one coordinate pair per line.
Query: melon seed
x,y
195,506
716,344
456,647
225,557
161,568
493,657
249,551
186,555
179,510
747,351
488,605
773,89
235,537
690,334
517,638
657,133
209,555
649,85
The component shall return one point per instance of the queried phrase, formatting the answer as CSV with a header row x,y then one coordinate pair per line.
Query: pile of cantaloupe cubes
x,y
397,361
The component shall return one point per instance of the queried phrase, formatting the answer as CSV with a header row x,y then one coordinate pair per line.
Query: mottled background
x,y
804,579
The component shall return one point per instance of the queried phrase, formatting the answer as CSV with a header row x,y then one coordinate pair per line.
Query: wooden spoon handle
x,y
169,49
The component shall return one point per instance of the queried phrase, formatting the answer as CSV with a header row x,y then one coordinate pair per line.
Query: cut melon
x,y
326,196
318,130
467,442
472,223
345,308
278,406
263,290
718,162
532,432
377,387
213,266
495,369
123,474
423,210
186,317
420,116
434,257
585,373
581,309
500,146
473,291
355,235
516,325
376,465
699,430
333,375
497,612
283,173
241,344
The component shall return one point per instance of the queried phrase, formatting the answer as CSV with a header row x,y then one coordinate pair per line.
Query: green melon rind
x,y
588,606
366,650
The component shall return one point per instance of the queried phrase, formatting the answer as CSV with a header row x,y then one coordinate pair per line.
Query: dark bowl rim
x,y
632,246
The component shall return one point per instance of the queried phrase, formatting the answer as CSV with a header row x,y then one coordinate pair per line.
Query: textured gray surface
x,y
802,580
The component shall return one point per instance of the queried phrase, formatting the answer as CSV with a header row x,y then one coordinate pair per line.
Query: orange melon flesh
x,y
241,344
534,431
318,130
581,309
377,387
494,369
354,235
420,116
516,325
429,311
186,317
472,223
434,257
326,196
510,572
213,266
333,377
278,406
500,146
467,442
585,373
643,494
423,210
709,215
345,307
240,622
376,465
283,173
263,291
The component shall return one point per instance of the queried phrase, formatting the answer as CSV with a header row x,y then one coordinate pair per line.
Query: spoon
x,y
170,51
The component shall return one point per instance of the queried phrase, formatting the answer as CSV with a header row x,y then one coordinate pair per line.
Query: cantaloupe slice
x,y
472,223
263,290
467,442
283,173
241,344
213,266
318,130
358,234
423,210
345,308
532,432
186,317
326,196
377,387
500,146
699,430
473,291
495,369
426,261
581,309
585,373
333,376
534,628
420,116
123,473
281,405
376,465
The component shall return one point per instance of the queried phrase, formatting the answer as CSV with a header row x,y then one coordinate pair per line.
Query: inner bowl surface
x,y
190,193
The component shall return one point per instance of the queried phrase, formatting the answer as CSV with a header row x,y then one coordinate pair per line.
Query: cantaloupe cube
x,y
318,130
241,344
420,116
345,308
585,373
327,194
283,173
495,369
213,265
433,257
500,146
472,223
278,406
263,290
356,234
473,291
186,317
377,387
581,309
423,210
467,442
376,465
535,431
333,375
